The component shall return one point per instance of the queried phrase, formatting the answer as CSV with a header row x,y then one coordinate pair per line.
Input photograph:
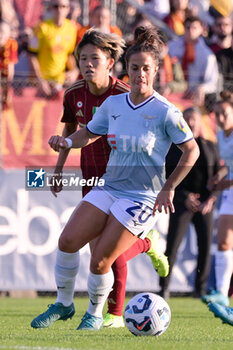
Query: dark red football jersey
x,y
79,106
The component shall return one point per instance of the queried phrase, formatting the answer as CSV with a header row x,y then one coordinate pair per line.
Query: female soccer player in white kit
x,y
140,125
224,255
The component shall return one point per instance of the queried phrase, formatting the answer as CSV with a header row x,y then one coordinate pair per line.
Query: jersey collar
x,y
130,103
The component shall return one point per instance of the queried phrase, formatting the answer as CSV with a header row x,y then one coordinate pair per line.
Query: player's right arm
x,y
69,129
80,139
97,127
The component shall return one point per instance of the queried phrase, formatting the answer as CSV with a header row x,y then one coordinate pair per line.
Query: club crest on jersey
x,y
147,119
79,104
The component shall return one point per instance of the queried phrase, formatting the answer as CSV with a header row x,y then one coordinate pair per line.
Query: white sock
x,y
66,269
223,270
99,287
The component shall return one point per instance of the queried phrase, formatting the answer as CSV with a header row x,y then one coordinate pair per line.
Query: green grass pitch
x,y
192,327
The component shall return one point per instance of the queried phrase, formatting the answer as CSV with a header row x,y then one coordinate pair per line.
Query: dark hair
x,y
192,109
99,7
146,39
192,19
112,44
172,7
226,96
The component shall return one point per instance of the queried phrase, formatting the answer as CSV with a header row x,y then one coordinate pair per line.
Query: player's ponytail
x,y
146,39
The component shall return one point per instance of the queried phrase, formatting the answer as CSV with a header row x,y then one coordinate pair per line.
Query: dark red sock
x,y
141,246
117,296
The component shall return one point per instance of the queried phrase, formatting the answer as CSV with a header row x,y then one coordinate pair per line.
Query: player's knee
x,y
65,244
99,266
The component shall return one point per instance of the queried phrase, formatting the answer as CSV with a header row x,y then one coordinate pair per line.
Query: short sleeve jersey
x,y
53,44
79,106
140,137
225,145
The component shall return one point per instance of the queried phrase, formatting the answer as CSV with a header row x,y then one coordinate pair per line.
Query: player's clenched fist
x,y
58,142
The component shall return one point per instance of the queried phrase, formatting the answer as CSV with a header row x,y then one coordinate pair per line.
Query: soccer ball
x,y
147,314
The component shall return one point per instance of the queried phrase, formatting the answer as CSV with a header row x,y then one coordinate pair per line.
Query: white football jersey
x,y
140,137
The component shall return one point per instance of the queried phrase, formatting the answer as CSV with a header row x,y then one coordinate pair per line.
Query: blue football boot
x,y
54,313
223,312
90,323
215,297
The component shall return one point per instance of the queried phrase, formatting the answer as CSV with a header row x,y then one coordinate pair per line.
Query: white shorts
x,y
226,207
136,217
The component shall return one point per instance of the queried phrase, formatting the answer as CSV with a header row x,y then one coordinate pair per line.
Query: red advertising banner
x,y
26,128
28,124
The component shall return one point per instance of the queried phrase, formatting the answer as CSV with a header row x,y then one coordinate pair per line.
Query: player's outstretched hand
x,y
57,143
164,201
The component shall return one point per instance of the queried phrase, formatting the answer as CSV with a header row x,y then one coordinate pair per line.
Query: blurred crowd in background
x,y
37,40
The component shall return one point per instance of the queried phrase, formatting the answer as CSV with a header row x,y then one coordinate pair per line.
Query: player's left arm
x,y
190,153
